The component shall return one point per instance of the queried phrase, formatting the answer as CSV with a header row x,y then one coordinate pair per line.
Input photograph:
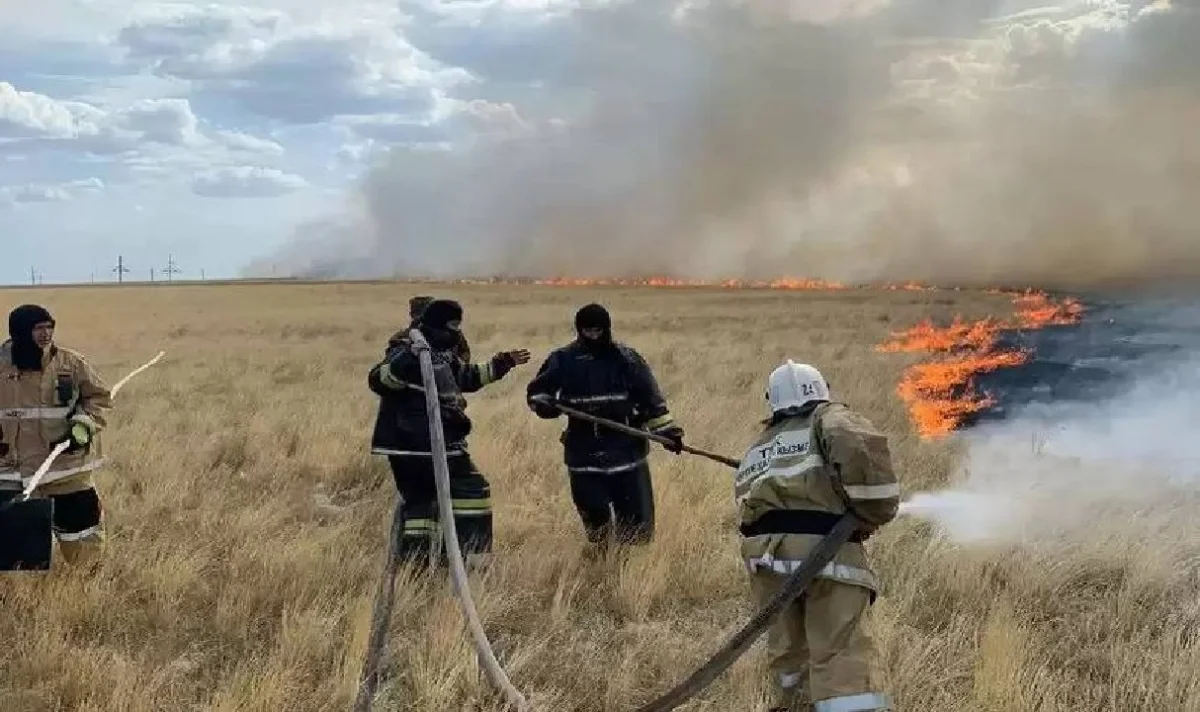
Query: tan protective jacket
x,y
787,490
38,409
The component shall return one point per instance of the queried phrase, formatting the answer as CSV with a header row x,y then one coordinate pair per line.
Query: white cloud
x,y
28,115
350,61
246,182
43,193
30,120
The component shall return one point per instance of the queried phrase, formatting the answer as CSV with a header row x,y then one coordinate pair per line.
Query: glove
x,y
543,406
506,361
79,436
675,433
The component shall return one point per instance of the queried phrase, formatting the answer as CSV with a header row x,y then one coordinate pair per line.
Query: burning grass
x,y
248,522
941,393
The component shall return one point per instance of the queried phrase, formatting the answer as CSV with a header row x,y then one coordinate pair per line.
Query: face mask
x,y
441,338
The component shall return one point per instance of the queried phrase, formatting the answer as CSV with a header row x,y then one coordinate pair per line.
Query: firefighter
x,y
416,305
402,431
49,395
814,460
608,471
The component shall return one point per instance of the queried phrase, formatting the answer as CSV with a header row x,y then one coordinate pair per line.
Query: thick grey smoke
x,y
963,142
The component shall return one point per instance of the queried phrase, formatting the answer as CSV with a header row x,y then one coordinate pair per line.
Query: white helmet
x,y
794,384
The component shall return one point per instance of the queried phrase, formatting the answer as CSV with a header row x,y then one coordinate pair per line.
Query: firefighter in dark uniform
x,y
608,470
416,305
402,431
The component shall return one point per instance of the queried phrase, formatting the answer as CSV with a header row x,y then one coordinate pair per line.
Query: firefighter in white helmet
x,y
814,460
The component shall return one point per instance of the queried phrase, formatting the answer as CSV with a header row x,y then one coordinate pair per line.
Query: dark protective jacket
x,y
616,384
401,424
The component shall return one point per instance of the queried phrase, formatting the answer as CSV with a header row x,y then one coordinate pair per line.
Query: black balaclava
x,y
26,355
594,316
435,323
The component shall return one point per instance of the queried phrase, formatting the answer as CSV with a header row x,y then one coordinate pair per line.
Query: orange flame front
x,y
785,283
941,394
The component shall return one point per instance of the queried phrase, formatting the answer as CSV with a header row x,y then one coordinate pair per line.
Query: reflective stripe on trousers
x,y
609,470
80,536
865,702
831,570
34,413
412,453
481,507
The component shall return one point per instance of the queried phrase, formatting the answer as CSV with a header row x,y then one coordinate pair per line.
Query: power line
x,y
120,269
172,268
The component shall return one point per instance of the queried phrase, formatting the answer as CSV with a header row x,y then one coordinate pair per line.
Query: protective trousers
x,y
78,524
819,656
471,504
620,504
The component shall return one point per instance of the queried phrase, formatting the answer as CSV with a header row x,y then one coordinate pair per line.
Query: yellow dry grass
x,y
248,523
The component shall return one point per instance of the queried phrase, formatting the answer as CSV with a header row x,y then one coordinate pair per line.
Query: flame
x,y
941,394
783,283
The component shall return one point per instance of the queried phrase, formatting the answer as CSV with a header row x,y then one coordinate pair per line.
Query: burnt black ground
x,y
1120,336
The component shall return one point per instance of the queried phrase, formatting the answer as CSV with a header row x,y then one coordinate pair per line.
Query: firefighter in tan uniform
x,y
815,460
50,395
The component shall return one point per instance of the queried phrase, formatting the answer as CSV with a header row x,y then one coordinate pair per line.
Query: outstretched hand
x,y
505,361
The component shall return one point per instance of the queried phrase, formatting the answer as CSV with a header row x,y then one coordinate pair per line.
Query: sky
x,y
359,138
205,132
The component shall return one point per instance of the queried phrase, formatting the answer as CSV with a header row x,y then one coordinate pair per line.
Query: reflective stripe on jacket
x,y
37,409
616,384
401,421
800,475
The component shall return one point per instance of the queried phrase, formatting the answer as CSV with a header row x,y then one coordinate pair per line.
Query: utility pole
x,y
172,268
120,269
32,276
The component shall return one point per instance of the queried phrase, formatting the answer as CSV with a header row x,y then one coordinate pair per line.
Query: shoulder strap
x,y
816,428
835,474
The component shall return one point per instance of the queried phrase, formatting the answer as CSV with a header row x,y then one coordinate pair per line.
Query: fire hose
x,y
458,571
384,596
381,614
42,469
795,584
639,433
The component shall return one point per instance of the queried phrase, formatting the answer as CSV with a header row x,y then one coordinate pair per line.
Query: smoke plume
x,y
961,143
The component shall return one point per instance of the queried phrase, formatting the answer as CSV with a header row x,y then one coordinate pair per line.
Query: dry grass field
x,y
247,522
